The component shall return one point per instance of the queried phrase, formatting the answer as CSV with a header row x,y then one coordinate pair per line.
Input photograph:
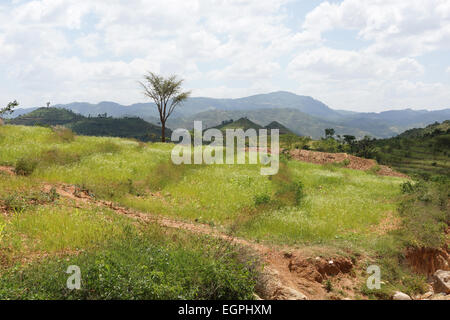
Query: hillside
x,y
435,128
301,114
123,128
93,126
420,152
47,117
122,210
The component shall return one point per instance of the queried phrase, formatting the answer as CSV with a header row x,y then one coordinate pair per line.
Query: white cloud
x,y
397,27
67,50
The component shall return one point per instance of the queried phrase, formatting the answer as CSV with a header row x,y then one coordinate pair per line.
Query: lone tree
x,y
167,95
9,108
329,133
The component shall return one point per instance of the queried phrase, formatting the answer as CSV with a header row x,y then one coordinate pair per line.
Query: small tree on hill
x,y
329,133
167,95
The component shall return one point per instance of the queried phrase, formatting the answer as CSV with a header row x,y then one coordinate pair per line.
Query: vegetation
x,y
167,94
102,125
303,205
9,108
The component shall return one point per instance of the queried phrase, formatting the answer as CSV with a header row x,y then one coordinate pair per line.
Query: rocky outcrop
x,y
427,260
319,269
441,282
401,296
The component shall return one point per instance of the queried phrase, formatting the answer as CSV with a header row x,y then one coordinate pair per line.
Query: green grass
x,y
304,204
339,203
142,265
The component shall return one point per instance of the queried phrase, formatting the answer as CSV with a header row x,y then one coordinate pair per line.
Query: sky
x,y
360,55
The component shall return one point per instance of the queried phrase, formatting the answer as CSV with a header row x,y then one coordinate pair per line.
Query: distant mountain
x,y
276,125
127,127
301,114
298,122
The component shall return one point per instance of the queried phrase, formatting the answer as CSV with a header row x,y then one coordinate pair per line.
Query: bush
x,y
261,199
63,134
25,166
426,214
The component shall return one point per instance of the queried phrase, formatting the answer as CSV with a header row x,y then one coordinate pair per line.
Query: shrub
x,y
25,166
261,199
63,134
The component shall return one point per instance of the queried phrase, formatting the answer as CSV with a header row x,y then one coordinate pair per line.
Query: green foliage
x,y
329,133
164,174
135,128
421,153
139,267
9,108
47,117
327,145
425,212
166,93
25,167
261,199
288,190
128,127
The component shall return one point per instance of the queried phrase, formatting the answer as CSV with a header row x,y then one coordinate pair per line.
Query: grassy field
x,y
338,204
305,204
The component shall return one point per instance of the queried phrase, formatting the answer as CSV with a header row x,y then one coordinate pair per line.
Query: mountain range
x,y
302,115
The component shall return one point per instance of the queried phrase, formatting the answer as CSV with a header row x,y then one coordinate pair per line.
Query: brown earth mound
x,y
354,162
427,260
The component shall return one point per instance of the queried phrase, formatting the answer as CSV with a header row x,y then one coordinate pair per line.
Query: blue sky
x,y
360,55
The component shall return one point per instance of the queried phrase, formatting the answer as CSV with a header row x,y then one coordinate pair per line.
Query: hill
x,y
46,117
129,127
135,128
276,125
422,152
242,123
435,128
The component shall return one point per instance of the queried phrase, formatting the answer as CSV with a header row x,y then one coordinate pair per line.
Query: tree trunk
x,y
163,132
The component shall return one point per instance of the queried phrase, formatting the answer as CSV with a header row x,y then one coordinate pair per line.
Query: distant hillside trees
x,y
167,94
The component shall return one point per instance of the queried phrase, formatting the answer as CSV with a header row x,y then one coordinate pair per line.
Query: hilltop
x,y
101,125
47,117
242,123
276,125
